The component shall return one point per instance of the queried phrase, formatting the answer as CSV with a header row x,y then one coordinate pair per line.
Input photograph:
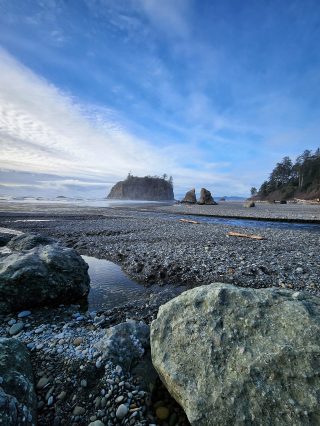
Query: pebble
x,y
83,383
77,341
96,423
122,411
78,411
61,395
162,413
12,321
42,382
24,314
16,328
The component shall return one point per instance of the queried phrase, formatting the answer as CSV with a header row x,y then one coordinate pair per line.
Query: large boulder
x,y
125,343
17,395
206,197
236,356
40,275
29,241
248,204
190,197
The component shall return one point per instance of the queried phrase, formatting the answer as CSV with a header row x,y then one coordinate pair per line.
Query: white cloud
x,y
43,130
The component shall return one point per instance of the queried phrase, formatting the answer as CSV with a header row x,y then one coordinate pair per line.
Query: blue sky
x,y
213,93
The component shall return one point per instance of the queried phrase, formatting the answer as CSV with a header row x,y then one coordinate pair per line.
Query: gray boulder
x,y
17,395
236,356
190,197
206,197
29,241
41,275
125,343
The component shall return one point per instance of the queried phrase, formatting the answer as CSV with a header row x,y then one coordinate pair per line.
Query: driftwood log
x,y
238,234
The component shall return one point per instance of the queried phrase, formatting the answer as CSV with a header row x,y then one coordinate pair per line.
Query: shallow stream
x,y
243,223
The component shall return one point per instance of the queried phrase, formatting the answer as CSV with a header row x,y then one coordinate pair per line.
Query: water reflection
x,y
110,286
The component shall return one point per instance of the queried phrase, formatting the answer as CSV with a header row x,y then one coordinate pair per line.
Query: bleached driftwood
x,y
189,221
238,234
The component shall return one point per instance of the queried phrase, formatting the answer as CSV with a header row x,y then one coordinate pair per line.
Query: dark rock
x,y
41,275
190,197
29,241
4,239
234,356
17,395
206,197
249,204
142,188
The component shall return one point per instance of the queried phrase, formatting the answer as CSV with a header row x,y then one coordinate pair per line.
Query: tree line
x,y
165,177
289,178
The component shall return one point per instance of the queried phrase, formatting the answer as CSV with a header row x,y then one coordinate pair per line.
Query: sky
x,y
211,92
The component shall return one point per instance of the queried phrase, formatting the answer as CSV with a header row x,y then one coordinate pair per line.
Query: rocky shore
x,y
295,212
75,382
158,248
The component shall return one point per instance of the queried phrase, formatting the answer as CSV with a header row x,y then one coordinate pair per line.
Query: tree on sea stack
x,y
148,188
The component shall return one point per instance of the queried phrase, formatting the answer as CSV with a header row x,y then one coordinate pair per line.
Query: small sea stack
x,y
206,197
190,197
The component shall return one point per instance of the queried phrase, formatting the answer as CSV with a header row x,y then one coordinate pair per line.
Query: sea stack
x,y
206,197
190,197
142,188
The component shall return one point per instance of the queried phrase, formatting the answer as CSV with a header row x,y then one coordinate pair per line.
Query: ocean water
x,y
85,202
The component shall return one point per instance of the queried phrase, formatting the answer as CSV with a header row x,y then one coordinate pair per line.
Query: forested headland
x,y
289,180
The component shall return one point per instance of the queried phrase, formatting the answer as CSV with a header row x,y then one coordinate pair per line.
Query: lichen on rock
x,y
235,356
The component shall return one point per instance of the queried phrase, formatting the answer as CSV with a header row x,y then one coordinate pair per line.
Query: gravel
x,y
153,248
74,384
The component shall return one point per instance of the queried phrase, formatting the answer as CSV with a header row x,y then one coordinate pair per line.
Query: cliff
x,y
142,188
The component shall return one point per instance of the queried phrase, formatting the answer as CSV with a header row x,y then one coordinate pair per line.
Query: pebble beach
x,y
152,246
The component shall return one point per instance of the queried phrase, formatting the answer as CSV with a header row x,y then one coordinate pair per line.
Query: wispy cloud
x,y
149,86
170,17
43,130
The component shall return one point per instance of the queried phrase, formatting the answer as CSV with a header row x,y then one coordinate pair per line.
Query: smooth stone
x,y
77,341
61,395
122,411
16,328
24,314
96,423
12,321
42,382
78,411
162,413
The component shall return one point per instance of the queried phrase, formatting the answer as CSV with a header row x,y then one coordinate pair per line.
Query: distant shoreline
x,y
293,213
